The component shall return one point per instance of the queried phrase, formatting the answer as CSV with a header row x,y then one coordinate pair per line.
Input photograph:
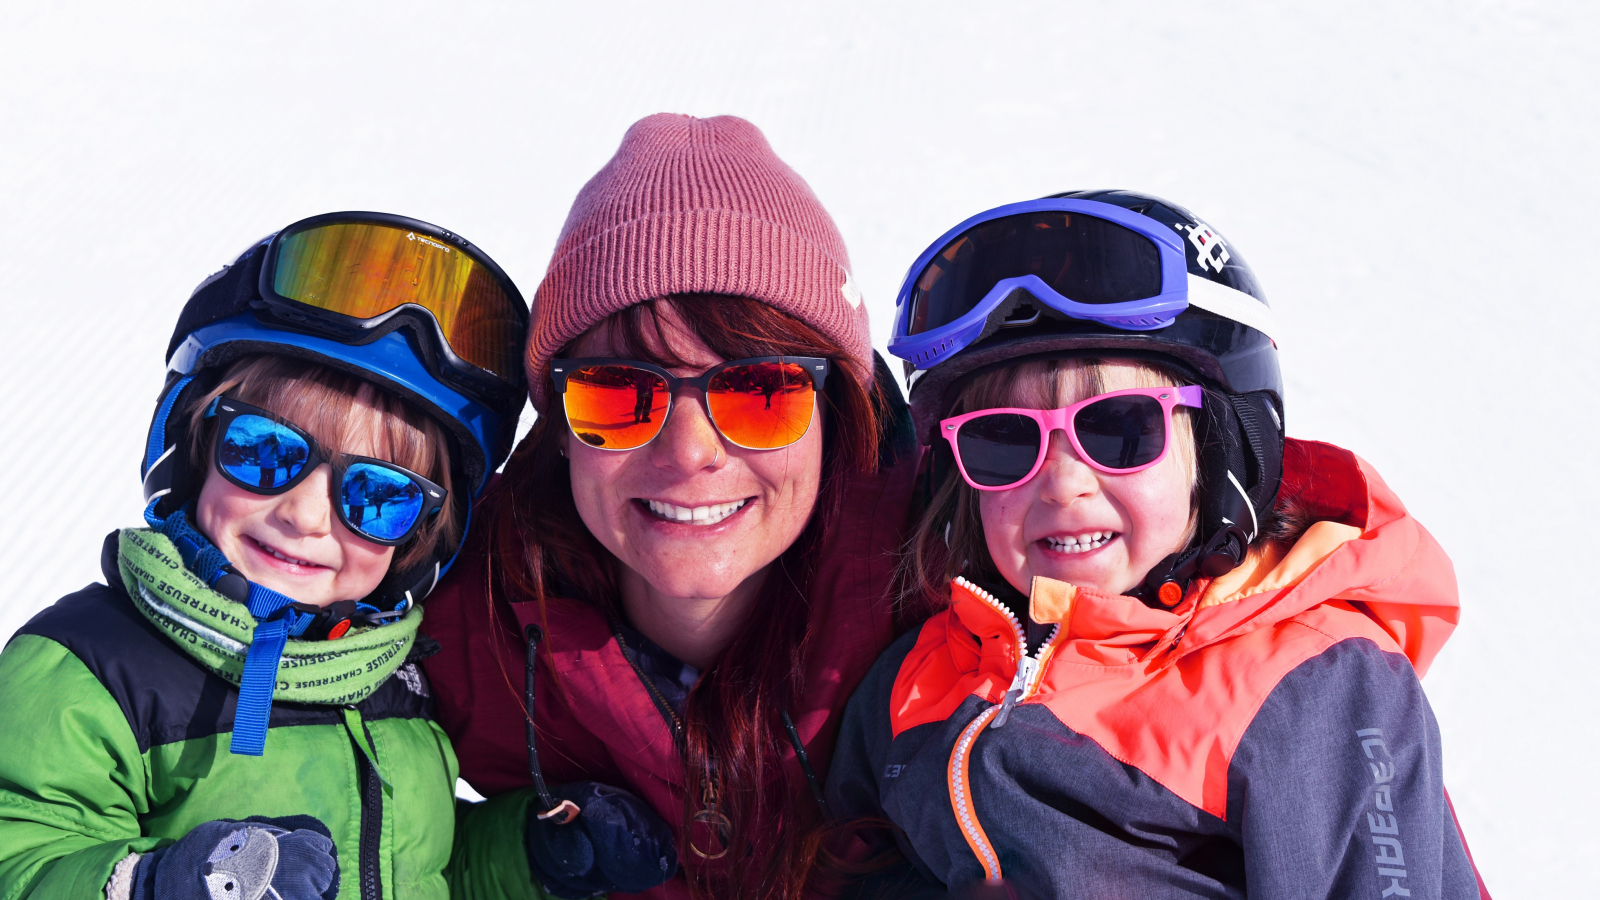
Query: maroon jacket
x,y
596,719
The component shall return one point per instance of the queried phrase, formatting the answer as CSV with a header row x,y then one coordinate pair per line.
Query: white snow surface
x,y
1409,181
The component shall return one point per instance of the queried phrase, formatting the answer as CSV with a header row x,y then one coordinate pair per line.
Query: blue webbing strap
x,y
158,429
150,516
275,623
200,555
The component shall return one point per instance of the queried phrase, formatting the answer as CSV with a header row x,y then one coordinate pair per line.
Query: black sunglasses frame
x,y
817,366
226,409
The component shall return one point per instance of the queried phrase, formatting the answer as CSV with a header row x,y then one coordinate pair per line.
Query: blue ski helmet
x,y
416,350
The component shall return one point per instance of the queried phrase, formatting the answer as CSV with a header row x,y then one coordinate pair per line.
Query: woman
x,y
695,542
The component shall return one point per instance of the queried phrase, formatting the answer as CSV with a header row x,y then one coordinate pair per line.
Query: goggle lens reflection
x,y
764,405
378,501
364,270
261,453
616,407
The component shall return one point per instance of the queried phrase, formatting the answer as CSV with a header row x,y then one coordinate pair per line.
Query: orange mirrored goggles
x,y
351,274
761,403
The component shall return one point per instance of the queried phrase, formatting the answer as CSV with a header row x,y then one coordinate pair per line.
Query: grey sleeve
x,y
1337,786
859,761
864,738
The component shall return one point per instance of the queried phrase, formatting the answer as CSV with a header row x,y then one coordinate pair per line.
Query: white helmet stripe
x,y
1231,304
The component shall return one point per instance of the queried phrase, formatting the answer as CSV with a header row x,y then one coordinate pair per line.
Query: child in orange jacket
x,y
1180,655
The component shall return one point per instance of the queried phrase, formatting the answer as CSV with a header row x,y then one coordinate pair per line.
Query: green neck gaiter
x,y
216,630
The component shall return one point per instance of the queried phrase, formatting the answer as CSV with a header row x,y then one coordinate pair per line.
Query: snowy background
x,y
1411,182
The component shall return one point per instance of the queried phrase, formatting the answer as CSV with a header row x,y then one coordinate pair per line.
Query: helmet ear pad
x,y
1241,466
1239,444
170,480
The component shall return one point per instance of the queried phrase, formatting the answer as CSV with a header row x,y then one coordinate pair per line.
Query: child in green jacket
x,y
236,714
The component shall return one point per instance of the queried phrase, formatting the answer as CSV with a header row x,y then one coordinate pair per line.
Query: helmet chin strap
x,y
1240,442
278,618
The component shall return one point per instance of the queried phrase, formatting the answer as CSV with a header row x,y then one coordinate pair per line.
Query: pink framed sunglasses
x,y
1117,433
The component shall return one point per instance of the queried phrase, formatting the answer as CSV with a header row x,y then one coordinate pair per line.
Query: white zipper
x,y
1028,668
1030,671
961,796
997,606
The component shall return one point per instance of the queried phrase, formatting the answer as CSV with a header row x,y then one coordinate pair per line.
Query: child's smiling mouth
x,y
1079,543
267,550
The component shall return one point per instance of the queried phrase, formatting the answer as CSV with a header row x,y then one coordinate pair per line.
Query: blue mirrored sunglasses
x,y
378,500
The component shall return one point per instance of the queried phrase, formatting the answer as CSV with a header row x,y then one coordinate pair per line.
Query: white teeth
x,y
1082,543
699,515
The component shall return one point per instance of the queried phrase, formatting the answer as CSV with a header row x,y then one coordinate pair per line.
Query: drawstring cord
x,y
566,810
805,764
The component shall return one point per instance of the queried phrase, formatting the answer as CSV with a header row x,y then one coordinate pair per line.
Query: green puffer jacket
x,y
113,740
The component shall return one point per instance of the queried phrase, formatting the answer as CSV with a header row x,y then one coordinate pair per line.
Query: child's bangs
x,y
336,408
1055,383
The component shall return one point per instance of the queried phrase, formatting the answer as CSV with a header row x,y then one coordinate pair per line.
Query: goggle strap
x,y
1234,305
228,292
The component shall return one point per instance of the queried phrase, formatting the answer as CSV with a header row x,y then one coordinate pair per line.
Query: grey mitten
x,y
258,859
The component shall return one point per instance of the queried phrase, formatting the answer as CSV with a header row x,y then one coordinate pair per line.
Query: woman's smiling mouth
x,y
709,514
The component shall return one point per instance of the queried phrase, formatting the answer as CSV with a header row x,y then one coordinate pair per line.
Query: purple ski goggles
x,y
1081,258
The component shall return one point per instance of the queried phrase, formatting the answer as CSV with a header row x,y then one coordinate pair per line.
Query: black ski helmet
x,y
1230,353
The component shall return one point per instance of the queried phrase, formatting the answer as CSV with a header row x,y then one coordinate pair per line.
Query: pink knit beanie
x,y
694,206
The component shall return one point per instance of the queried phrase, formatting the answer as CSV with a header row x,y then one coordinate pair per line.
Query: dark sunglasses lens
x,y
380,502
615,407
1122,432
1081,257
257,452
1000,449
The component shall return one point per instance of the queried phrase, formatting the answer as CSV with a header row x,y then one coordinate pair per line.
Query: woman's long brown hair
x,y
733,736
